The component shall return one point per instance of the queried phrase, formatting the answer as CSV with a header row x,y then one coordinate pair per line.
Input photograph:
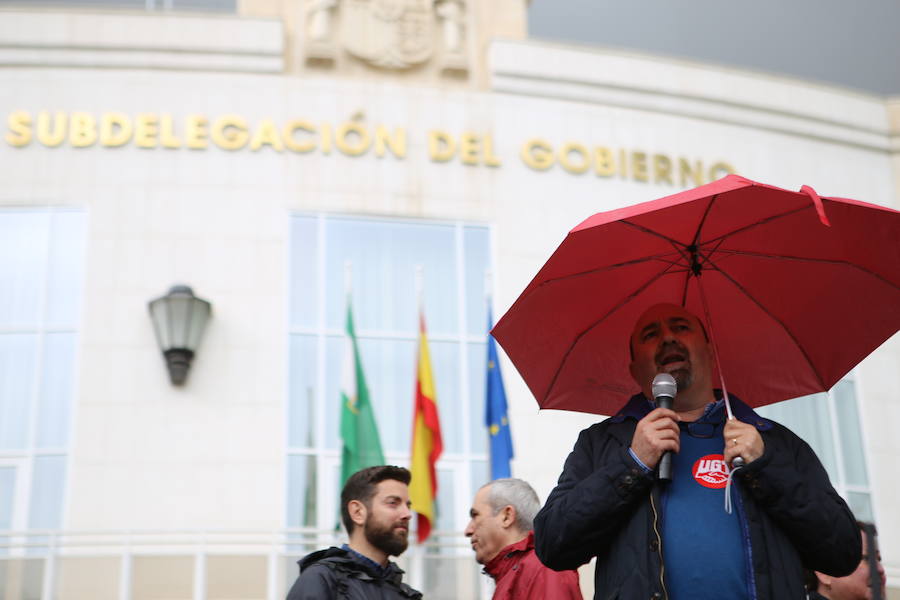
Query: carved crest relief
x,y
395,34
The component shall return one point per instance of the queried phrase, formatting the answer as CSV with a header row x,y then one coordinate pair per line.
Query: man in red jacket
x,y
500,530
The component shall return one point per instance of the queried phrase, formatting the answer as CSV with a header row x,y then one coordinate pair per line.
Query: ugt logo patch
x,y
711,471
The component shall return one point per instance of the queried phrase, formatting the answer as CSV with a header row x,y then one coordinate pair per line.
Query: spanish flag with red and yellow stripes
x,y
426,440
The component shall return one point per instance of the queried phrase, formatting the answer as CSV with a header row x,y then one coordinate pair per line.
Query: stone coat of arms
x,y
394,34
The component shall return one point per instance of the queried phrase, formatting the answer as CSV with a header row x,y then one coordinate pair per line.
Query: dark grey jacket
x,y
335,573
606,506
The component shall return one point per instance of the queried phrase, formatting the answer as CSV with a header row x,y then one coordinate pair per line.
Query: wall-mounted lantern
x,y
179,319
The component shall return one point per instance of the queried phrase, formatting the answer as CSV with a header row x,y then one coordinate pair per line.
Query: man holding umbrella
x,y
795,289
674,539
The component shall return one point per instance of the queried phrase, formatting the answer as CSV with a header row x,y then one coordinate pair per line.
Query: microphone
x,y
664,389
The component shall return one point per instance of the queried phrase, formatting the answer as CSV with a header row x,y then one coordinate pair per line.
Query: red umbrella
x,y
795,290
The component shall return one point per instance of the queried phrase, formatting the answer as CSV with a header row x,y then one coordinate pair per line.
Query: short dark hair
x,y
361,486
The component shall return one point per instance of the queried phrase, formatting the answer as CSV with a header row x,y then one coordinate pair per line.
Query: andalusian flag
x,y
362,447
426,441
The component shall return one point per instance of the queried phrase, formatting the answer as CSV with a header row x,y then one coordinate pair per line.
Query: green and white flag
x,y
362,447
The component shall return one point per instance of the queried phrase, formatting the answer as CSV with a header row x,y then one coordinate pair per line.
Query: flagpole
x,y
348,278
420,288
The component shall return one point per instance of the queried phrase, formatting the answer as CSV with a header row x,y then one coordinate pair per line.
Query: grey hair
x,y
518,494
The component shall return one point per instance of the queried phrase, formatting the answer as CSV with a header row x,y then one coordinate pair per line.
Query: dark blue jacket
x,y
606,505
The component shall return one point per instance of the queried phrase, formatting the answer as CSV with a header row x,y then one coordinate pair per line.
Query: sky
x,y
850,43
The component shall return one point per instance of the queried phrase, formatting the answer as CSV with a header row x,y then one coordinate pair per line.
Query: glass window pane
x,y
447,512
450,394
477,356
48,479
390,373
57,389
227,6
480,474
301,486
304,262
302,400
861,505
23,266
334,361
844,395
66,268
383,257
477,257
17,364
809,418
7,496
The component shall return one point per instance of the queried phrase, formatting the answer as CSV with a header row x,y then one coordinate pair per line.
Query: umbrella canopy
x,y
794,289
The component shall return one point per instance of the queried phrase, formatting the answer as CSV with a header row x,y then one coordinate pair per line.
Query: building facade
x,y
280,157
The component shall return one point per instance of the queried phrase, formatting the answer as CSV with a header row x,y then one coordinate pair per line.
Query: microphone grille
x,y
664,385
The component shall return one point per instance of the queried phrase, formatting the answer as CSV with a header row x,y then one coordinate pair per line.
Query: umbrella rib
x,y
609,313
703,220
824,261
783,326
762,221
627,263
649,231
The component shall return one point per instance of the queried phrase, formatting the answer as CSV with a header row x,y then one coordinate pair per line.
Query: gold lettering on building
x,y
82,130
115,130
167,133
662,169
441,146
582,161
19,123
146,128
538,154
384,141
229,132
352,139
233,132
51,136
195,132
604,162
266,135
295,144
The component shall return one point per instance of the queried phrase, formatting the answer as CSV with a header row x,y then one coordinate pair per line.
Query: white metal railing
x,y
42,563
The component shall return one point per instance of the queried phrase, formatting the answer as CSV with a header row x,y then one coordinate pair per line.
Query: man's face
x,y
485,530
856,585
669,339
387,517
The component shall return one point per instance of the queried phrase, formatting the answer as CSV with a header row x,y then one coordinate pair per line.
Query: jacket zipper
x,y
662,565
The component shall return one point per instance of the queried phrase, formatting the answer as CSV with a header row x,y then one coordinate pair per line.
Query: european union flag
x,y
495,416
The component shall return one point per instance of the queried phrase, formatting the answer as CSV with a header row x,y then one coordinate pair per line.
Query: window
x,y
383,256
217,6
830,424
41,271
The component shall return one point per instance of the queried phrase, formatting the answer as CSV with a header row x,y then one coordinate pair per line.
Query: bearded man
x,y
675,540
375,509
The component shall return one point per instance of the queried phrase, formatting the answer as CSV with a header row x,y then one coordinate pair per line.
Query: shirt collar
x,y
379,568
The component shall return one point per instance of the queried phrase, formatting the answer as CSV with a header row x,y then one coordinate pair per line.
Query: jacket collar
x,y
500,565
639,407
360,563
